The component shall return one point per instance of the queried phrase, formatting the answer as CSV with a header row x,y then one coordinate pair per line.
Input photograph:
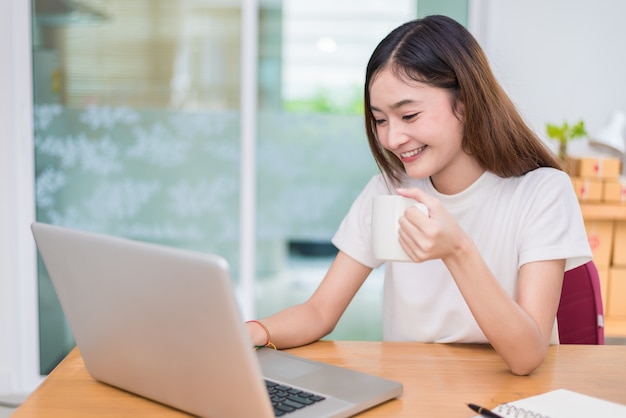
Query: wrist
x,y
260,334
461,252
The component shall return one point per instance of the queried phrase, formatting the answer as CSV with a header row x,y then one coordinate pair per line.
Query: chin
x,y
416,174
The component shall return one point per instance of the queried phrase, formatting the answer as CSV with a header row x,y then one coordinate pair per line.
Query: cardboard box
x,y
600,236
614,190
587,189
619,244
594,167
616,306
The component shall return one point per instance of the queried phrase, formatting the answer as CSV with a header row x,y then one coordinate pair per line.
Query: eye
x,y
409,117
379,121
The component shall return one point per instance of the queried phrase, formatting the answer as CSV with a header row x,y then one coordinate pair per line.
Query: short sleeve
x,y
553,225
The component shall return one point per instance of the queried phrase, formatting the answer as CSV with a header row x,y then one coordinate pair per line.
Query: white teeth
x,y
412,153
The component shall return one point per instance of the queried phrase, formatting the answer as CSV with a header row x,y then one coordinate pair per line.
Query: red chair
x,y
580,316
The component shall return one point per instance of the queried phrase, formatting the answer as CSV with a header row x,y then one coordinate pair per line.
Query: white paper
x,y
563,403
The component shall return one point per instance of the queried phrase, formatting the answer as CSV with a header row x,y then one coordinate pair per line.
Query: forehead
x,y
391,89
393,74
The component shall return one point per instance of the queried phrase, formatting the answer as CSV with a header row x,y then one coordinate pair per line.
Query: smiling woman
x,y
445,134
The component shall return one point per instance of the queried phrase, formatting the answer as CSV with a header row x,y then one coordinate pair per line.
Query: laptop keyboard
x,y
286,399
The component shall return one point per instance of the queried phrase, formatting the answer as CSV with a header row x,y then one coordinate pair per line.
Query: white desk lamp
x,y
612,135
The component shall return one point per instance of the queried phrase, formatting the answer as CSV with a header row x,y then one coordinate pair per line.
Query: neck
x,y
452,182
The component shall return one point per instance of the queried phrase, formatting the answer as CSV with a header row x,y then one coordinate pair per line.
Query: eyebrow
x,y
395,105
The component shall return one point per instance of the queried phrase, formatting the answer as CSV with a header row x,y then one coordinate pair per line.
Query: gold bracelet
x,y
268,342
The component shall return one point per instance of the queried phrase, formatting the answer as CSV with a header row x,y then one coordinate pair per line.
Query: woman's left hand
x,y
428,237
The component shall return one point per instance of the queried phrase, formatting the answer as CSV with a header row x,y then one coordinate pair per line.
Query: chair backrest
x,y
580,315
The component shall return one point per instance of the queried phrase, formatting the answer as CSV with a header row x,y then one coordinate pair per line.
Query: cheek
x,y
451,132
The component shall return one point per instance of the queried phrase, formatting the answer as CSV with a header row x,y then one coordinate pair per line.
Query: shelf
x,y
603,211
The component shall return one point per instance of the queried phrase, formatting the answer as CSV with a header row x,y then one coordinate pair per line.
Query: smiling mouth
x,y
413,153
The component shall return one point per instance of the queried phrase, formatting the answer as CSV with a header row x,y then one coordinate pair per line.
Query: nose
x,y
396,135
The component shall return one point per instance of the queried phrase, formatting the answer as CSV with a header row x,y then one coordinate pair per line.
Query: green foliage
x,y
564,133
324,101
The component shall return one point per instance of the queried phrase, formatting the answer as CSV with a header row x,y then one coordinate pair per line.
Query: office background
x,y
136,122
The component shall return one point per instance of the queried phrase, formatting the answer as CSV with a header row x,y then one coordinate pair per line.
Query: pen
x,y
483,411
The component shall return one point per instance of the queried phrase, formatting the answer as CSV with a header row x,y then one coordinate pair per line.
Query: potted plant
x,y
565,133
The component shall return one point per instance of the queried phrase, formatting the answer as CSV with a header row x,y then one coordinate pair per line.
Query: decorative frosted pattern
x,y
172,178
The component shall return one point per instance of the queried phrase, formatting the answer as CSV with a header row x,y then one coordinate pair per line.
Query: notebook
x,y
164,323
561,403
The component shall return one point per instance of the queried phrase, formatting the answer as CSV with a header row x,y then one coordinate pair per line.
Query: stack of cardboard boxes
x,y
597,181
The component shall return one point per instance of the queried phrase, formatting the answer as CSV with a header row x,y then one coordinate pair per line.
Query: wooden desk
x,y
437,377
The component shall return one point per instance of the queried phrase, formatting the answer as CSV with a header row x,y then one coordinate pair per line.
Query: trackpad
x,y
280,366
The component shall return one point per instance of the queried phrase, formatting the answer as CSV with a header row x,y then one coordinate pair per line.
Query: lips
x,y
413,153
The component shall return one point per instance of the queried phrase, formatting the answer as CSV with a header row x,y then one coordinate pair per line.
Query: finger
x,y
419,196
410,238
416,194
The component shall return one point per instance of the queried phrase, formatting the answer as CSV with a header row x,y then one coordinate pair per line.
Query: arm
x,y
307,322
519,329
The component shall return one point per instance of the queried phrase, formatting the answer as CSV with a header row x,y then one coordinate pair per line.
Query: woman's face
x,y
417,123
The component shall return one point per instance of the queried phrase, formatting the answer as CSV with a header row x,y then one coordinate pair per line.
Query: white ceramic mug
x,y
386,213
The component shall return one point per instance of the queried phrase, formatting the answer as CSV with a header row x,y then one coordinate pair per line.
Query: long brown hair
x,y
440,52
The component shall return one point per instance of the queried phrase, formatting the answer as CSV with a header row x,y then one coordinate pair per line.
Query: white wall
x,y
559,60
19,355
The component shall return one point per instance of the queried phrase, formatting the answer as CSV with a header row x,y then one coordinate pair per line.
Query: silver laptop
x,y
164,323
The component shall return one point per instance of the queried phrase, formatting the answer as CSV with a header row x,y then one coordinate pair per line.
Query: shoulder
x,y
540,188
545,179
546,173
548,189
378,184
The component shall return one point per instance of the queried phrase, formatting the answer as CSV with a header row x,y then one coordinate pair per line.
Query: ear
x,y
458,107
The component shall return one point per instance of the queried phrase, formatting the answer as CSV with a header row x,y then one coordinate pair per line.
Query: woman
x,y
503,225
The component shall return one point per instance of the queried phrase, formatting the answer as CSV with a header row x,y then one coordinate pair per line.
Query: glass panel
x,y
313,152
136,128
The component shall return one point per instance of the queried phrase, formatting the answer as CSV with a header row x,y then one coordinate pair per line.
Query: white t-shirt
x,y
512,221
